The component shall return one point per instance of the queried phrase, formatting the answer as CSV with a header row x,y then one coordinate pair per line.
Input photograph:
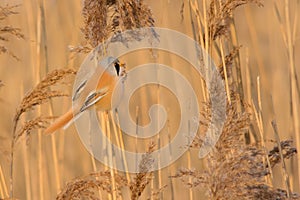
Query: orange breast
x,y
108,81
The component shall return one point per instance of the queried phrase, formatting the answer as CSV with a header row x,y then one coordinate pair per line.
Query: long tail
x,y
60,122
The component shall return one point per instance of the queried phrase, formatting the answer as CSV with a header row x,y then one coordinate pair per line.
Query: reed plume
x,y
220,15
144,176
86,187
235,169
104,19
41,93
7,30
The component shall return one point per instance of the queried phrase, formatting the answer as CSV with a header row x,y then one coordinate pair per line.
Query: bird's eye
x,y
117,67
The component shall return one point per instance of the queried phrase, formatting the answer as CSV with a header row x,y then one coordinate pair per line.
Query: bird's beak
x,y
123,65
123,69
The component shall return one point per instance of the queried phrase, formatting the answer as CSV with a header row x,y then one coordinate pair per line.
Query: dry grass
x,y
36,97
29,126
41,93
228,60
235,170
242,165
104,19
144,176
86,187
287,151
6,31
220,16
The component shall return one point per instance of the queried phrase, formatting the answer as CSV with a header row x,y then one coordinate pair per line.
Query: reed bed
x,y
255,156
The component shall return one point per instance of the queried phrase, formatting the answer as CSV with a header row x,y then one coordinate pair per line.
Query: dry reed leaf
x,y
86,187
41,93
143,178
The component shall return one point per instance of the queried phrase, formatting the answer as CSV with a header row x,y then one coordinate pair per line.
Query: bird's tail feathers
x,y
60,122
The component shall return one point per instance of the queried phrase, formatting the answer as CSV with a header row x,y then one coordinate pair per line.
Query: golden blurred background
x,y
46,42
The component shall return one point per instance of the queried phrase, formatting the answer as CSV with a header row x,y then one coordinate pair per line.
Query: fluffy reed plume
x,y
106,18
265,192
228,62
7,10
143,178
155,195
234,170
6,30
199,179
87,187
36,123
37,96
131,14
81,49
34,98
41,93
220,14
287,152
96,26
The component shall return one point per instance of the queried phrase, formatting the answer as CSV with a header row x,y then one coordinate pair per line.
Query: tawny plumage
x,y
60,122
96,91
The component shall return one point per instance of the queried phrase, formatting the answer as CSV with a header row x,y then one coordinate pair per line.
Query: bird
x,y
95,91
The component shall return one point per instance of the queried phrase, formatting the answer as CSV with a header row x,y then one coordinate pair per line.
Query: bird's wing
x,y
79,90
93,98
